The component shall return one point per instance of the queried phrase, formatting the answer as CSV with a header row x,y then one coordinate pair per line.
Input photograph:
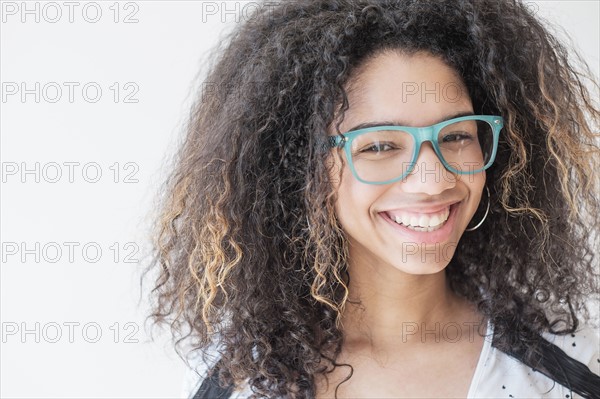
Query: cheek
x,y
354,200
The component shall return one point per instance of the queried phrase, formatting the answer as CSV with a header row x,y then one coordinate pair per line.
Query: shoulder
x,y
504,376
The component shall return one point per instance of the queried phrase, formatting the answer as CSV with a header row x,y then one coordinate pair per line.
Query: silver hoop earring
x,y
486,212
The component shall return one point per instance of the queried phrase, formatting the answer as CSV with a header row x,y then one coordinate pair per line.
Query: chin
x,y
416,267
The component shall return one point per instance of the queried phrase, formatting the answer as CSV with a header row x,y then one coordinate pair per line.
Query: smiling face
x,y
412,225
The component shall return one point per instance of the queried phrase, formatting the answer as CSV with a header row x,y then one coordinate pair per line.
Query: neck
x,y
387,306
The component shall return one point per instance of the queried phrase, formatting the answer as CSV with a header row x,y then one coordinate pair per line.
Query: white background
x,y
154,60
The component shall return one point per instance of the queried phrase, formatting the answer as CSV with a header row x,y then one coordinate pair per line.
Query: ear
x,y
334,163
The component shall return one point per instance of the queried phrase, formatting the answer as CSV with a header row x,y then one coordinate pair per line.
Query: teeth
x,y
422,222
414,221
424,229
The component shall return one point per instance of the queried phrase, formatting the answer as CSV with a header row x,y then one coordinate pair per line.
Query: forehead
x,y
413,90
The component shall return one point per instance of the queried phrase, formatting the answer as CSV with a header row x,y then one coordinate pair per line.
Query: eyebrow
x,y
402,123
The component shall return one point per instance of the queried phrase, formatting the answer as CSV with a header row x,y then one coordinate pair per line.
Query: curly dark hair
x,y
249,252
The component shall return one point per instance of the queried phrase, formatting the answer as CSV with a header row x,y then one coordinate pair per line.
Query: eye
x,y
457,136
379,147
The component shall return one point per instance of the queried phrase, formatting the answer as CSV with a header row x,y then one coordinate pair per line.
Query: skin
x,y
401,295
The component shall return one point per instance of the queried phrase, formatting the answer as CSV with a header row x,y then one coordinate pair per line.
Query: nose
x,y
429,175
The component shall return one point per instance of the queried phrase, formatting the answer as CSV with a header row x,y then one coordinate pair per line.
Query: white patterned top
x,y
497,374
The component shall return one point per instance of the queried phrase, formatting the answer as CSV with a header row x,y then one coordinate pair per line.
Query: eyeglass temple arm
x,y
335,141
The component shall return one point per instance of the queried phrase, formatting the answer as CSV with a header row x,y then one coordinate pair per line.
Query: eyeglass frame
x,y
420,135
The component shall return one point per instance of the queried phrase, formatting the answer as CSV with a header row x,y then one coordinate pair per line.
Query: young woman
x,y
387,199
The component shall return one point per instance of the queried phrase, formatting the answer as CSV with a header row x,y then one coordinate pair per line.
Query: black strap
x,y
555,364
552,361
211,389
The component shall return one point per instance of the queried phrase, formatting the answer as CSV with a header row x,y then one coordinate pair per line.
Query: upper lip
x,y
425,208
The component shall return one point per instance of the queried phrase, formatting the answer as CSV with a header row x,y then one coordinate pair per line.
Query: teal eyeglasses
x,y
386,154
